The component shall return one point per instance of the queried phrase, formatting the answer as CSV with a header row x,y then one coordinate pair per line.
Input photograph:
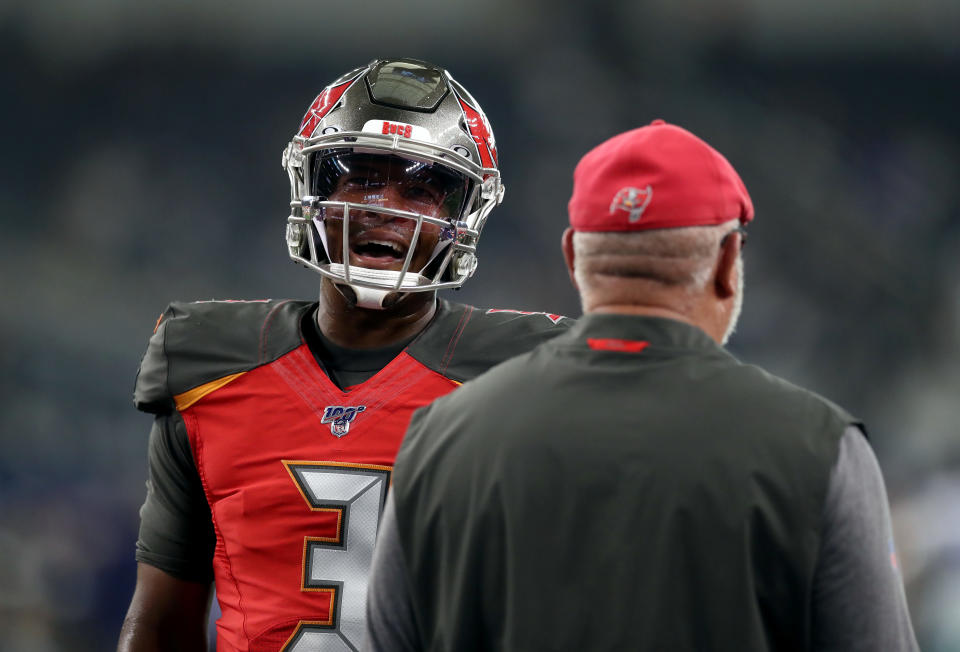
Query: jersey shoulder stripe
x,y
463,341
191,396
197,345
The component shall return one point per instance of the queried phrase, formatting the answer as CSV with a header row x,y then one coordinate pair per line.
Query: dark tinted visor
x,y
407,85
389,181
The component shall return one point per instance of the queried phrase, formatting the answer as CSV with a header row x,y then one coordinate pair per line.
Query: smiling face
x,y
369,182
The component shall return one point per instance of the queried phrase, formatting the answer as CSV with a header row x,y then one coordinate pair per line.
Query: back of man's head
x,y
650,217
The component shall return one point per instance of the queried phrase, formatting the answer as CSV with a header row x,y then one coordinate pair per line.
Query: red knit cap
x,y
655,177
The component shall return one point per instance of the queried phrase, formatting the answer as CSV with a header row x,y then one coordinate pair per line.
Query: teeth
x,y
384,243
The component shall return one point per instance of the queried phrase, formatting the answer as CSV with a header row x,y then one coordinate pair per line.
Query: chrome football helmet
x,y
396,165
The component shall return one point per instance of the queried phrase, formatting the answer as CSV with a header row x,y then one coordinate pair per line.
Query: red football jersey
x,y
296,470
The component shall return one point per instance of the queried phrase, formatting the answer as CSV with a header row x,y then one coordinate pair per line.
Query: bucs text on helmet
x,y
393,173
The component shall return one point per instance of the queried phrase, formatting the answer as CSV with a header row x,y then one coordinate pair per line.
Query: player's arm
x,y
166,614
171,602
859,602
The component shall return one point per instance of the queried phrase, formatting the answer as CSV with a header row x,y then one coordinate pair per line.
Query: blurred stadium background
x,y
141,163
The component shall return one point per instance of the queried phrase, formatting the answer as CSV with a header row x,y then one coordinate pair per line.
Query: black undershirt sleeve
x,y
176,529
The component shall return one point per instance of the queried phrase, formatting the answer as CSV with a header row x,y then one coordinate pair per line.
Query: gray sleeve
x,y
176,530
390,617
858,597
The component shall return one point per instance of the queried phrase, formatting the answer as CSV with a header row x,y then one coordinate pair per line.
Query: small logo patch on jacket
x,y
340,416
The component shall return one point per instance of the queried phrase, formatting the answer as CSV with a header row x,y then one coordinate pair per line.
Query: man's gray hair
x,y
683,256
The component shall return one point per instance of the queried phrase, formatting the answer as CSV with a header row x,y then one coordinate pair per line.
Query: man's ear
x,y
567,246
725,281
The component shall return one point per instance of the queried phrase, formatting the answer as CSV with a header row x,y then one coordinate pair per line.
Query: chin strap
x,y
375,298
372,299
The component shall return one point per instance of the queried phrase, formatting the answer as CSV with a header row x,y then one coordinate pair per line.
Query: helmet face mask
x,y
396,165
388,212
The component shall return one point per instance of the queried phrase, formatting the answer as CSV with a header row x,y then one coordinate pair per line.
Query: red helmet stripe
x,y
480,132
321,106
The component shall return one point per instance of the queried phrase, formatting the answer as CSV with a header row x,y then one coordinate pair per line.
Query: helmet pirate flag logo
x,y
339,417
632,200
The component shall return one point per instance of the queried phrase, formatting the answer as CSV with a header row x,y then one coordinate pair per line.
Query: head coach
x,y
630,485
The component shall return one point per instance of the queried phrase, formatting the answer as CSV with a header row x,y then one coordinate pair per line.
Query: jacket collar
x,y
660,332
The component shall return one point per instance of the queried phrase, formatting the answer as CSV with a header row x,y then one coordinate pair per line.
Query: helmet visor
x,y
389,181
389,212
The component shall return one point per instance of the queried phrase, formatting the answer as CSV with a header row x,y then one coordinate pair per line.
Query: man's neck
x,y
699,320
646,311
348,326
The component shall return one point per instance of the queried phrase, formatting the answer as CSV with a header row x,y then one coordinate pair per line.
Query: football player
x,y
277,422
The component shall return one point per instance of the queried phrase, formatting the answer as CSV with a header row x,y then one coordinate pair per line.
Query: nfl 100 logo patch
x,y
340,416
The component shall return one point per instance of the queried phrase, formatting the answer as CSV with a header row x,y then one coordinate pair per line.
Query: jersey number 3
x,y
339,565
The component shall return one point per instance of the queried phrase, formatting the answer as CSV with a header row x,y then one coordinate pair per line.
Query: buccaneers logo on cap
x,y
632,200
339,418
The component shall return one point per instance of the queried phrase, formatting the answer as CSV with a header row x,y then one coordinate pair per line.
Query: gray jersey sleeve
x,y
390,617
859,601
176,530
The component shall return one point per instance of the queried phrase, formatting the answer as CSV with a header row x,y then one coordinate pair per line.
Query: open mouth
x,y
379,250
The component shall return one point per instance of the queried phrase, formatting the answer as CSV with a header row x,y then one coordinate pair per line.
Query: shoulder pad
x,y
195,343
463,341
